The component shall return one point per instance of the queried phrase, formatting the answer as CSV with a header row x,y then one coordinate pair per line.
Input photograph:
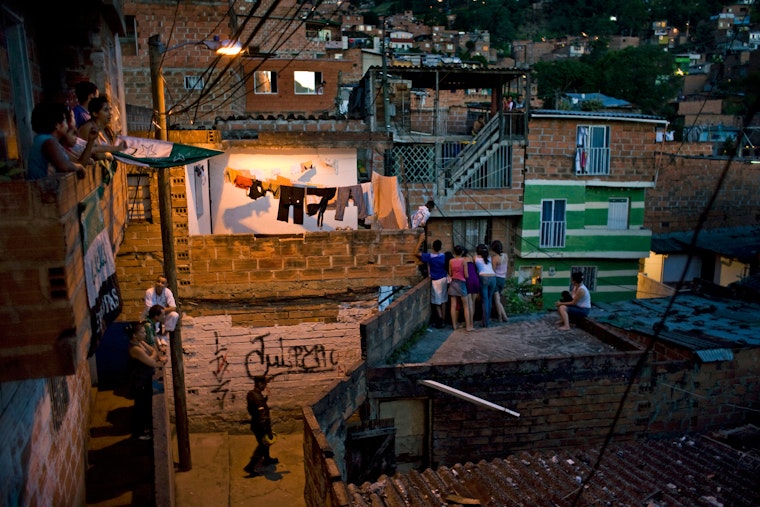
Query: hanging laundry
x,y
319,209
389,203
256,190
243,182
291,196
353,192
230,174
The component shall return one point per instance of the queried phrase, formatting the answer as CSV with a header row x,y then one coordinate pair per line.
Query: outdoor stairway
x,y
471,159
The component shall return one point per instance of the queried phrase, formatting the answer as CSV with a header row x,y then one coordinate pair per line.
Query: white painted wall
x,y
233,212
302,361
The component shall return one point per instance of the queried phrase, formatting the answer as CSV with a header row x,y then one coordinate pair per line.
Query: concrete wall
x,y
326,415
387,330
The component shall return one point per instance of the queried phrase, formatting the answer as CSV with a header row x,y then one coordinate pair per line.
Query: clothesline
x,y
380,199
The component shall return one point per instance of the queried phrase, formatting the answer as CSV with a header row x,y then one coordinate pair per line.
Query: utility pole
x,y
156,51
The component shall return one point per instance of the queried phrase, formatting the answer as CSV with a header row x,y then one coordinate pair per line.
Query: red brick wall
x,y
674,205
195,21
552,144
286,100
237,268
571,402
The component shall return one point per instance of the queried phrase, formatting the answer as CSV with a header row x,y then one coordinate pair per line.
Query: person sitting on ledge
x,y
578,307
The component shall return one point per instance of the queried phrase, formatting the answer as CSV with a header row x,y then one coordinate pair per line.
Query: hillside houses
x,y
262,294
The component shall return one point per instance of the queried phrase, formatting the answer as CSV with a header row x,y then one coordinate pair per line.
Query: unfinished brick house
x,y
45,376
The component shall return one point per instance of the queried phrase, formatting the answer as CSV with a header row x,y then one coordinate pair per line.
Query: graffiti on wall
x,y
219,368
282,359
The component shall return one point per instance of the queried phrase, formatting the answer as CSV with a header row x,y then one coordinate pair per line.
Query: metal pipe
x,y
467,397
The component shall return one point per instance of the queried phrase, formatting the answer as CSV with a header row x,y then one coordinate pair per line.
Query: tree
x,y
562,76
642,75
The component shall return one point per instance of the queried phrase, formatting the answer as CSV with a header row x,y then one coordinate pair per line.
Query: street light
x,y
156,51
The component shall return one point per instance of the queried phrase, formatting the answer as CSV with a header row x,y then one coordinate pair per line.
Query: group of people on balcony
x,y
148,344
69,140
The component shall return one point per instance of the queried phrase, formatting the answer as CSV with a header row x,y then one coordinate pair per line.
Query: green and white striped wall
x,y
613,254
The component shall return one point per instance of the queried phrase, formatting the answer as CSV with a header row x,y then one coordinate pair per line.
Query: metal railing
x,y
552,234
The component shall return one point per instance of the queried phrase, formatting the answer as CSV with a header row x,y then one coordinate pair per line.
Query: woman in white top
x,y
487,281
500,264
577,308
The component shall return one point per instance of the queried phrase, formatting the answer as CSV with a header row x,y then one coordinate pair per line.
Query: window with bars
x,y
592,154
617,214
414,163
553,224
194,83
589,276
138,192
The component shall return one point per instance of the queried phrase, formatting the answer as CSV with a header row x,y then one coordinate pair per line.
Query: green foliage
x,y
562,76
641,75
522,298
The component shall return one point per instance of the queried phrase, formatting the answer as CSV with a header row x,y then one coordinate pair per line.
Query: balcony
x,y
44,299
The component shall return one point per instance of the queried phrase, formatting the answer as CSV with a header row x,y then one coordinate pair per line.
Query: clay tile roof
x,y
684,471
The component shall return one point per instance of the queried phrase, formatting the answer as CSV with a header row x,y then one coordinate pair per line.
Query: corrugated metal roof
x,y
685,471
715,355
453,77
557,113
694,322
741,243
606,100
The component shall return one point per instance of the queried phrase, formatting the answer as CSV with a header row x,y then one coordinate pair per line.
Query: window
x,y
589,276
617,216
470,232
318,32
128,41
306,82
194,83
553,223
138,193
592,155
265,81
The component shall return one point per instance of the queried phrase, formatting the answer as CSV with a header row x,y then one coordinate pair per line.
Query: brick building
x,y
295,61
45,376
